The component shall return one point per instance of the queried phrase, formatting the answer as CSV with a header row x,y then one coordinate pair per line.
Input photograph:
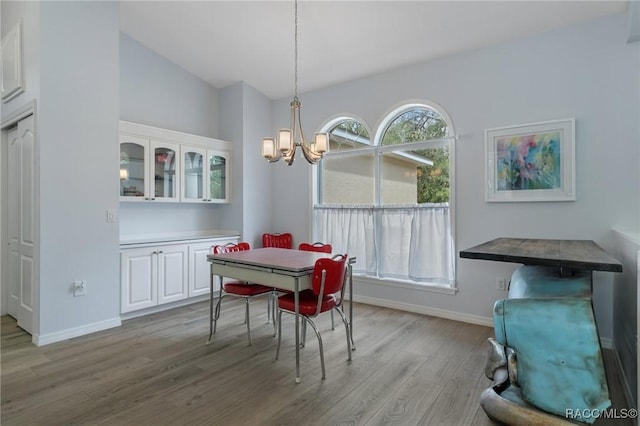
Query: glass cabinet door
x,y
165,177
133,172
217,177
193,174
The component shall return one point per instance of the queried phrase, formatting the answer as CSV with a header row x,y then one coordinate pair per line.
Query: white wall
x,y
157,92
231,128
586,71
78,127
256,172
625,299
245,120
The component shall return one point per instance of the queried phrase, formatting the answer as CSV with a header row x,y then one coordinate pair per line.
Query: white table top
x,y
271,257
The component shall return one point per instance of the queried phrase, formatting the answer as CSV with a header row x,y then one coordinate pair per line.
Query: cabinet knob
x,y
160,251
153,199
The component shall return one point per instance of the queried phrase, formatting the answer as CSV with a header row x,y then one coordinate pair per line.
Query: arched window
x,y
420,172
346,176
389,203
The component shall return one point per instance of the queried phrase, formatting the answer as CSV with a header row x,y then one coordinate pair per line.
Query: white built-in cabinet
x,y
205,176
149,169
159,165
157,273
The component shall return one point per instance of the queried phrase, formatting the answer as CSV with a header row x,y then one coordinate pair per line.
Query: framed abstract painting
x,y
531,162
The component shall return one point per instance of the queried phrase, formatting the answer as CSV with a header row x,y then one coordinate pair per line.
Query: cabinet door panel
x,y
200,270
218,168
200,267
165,171
134,167
193,174
172,273
138,276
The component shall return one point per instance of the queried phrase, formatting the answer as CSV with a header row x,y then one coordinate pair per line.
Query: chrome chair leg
x,y
274,301
269,302
333,325
217,314
347,327
279,333
213,318
303,338
320,347
210,311
246,319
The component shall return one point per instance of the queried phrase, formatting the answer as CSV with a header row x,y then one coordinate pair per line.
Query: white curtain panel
x,y
349,230
403,242
432,252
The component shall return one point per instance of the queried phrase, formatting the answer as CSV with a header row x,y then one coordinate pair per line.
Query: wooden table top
x,y
570,254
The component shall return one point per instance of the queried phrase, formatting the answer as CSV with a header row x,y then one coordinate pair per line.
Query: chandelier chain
x,y
295,50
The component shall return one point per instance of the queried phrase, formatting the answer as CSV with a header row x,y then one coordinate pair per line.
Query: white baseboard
x,y
628,395
45,339
164,307
435,312
605,342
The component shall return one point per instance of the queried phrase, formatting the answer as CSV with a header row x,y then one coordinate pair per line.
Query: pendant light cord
x,y
295,50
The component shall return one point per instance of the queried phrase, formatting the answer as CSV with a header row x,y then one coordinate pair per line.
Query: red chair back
x,y
319,247
277,240
335,271
230,247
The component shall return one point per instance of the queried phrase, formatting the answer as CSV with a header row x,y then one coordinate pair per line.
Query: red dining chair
x,y
326,282
241,289
320,248
317,246
277,240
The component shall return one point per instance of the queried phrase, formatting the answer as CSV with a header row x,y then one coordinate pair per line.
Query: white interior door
x,y
21,151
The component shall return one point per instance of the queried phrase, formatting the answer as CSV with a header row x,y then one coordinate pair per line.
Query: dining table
x,y
282,269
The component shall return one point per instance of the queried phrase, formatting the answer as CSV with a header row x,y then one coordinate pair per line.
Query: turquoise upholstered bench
x,y
546,361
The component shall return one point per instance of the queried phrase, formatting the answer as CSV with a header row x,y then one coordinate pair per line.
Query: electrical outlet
x,y
79,288
111,215
501,284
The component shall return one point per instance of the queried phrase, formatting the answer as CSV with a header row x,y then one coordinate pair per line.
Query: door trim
x,y
29,108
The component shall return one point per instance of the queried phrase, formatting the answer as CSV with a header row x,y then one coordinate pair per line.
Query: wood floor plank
x,y
408,369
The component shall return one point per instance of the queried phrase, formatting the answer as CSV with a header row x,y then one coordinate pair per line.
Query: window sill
x,y
429,287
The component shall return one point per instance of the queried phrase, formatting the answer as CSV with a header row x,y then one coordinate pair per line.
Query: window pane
x,y
415,177
348,180
418,124
348,135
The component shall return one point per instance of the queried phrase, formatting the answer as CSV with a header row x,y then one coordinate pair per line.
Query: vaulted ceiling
x,y
224,42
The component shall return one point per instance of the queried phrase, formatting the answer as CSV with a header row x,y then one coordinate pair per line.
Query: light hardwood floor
x,y
408,369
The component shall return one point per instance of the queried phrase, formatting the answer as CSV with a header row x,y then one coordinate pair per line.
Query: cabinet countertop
x,y
128,240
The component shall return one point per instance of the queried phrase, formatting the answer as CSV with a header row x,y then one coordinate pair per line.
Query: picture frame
x,y
531,162
11,60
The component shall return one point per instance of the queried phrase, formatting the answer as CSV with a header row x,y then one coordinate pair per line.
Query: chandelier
x,y
288,140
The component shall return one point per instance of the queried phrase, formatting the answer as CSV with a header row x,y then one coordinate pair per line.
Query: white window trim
x,y
377,150
386,282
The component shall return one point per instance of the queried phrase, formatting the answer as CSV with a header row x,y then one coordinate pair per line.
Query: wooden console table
x,y
568,255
